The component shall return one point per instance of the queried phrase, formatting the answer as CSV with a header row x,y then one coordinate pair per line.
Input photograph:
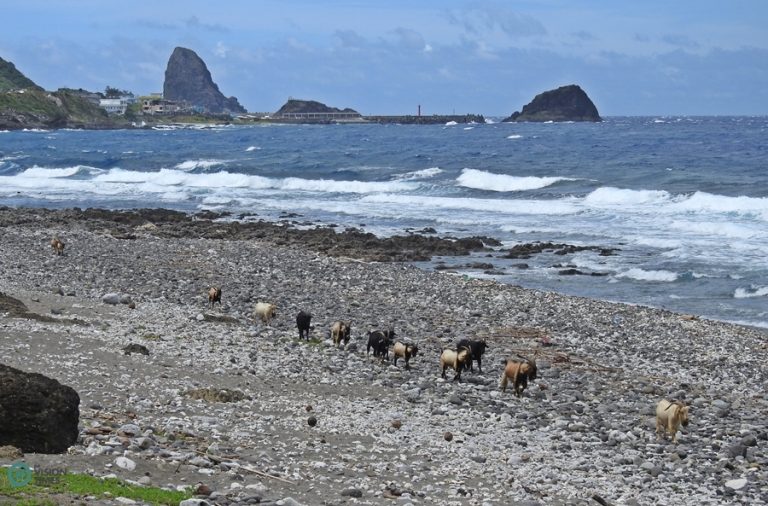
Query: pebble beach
x,y
258,416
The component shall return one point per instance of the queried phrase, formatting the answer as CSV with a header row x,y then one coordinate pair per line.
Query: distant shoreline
x,y
149,122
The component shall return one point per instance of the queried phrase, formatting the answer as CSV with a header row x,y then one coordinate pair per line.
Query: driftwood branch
x,y
265,475
218,460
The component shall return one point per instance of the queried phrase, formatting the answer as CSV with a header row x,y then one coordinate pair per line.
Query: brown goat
x,y
520,373
57,245
405,351
340,332
214,295
669,417
455,359
264,311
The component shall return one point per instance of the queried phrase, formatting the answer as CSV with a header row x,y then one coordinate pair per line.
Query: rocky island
x,y
567,103
296,106
312,111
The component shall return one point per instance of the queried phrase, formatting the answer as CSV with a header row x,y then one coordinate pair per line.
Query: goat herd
x,y
669,414
381,341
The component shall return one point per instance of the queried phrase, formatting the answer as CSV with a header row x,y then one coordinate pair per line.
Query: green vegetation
x,y
12,79
110,92
311,342
38,108
84,485
32,102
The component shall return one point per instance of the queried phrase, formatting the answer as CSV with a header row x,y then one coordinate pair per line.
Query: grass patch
x,y
36,494
151,337
312,342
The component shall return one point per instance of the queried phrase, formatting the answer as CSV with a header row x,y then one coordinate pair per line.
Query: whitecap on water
x,y
648,275
750,292
482,180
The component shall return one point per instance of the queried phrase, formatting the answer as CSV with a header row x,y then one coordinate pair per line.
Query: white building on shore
x,y
117,105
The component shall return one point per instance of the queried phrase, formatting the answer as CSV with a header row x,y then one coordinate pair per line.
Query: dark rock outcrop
x,y
37,414
567,103
187,79
293,106
351,242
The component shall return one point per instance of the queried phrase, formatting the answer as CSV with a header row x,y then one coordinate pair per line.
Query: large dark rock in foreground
x,y
187,79
295,106
37,414
567,103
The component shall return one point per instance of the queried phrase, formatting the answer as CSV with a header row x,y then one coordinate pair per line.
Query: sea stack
x,y
187,79
567,103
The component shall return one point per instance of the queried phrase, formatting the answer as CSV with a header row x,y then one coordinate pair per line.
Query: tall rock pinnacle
x,y
188,79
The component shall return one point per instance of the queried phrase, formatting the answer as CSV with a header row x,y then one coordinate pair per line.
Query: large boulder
x,y
187,79
37,414
567,103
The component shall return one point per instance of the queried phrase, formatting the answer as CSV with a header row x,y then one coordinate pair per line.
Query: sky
x,y
649,58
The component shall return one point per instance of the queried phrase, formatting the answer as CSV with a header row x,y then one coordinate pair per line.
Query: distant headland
x,y
191,96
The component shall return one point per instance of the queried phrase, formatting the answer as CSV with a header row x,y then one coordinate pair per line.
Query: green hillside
x,y
12,79
35,108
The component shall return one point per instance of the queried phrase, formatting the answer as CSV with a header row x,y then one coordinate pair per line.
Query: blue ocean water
x,y
684,200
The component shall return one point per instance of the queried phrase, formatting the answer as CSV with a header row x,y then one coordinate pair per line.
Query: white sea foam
x,y
609,197
760,324
327,185
719,229
419,174
468,128
703,201
482,180
750,292
662,202
657,242
643,275
514,207
224,179
252,148
118,181
36,172
199,164
451,123
514,136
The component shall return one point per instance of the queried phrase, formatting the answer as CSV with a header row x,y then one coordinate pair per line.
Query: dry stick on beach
x,y
560,357
261,473
219,460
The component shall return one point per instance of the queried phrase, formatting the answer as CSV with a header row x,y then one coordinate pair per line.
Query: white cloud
x,y
221,50
480,18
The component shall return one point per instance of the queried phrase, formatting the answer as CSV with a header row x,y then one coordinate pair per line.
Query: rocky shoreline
x,y
583,429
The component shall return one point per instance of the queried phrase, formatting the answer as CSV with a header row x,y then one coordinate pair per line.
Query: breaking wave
x,y
482,180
